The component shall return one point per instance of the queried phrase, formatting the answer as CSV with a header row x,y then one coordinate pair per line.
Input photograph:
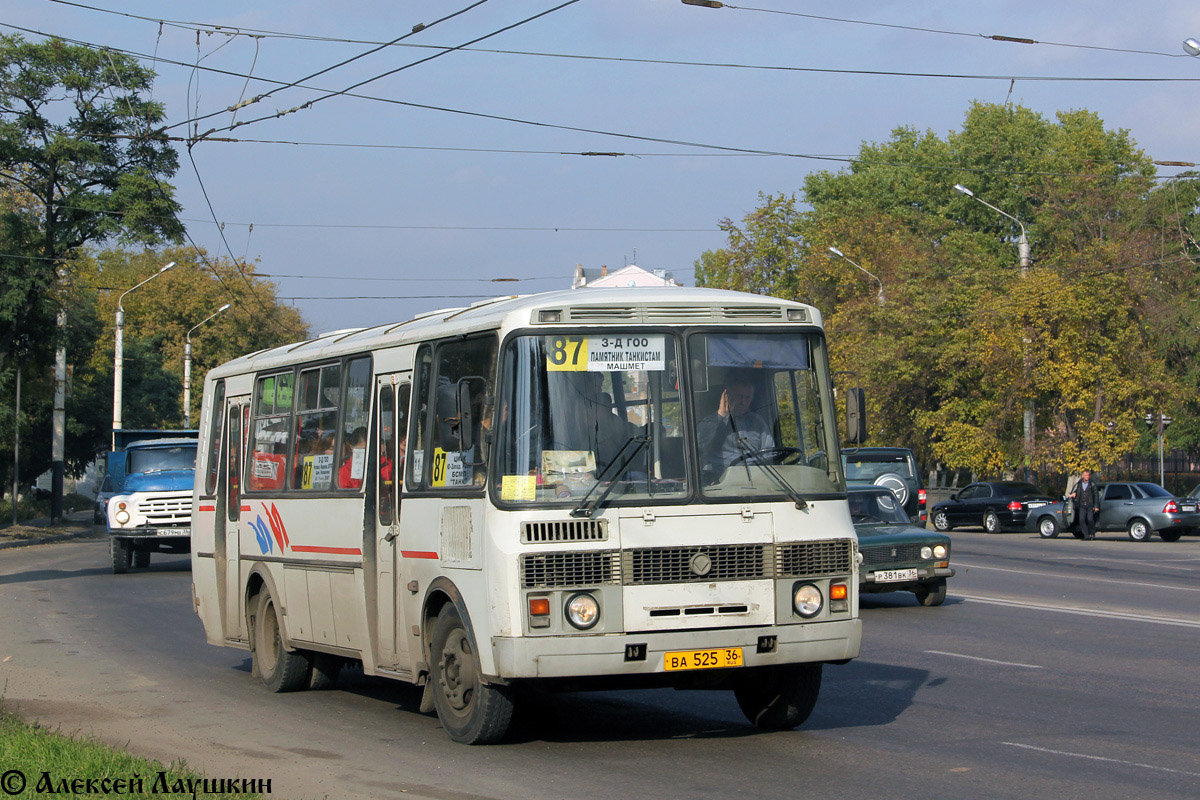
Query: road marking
x,y
985,660
1083,612
1159,564
1077,577
1102,758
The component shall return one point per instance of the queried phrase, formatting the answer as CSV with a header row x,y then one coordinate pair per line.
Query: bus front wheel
x,y
282,670
779,697
471,711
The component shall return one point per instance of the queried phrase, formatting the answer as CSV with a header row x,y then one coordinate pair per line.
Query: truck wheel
x,y
118,549
325,669
141,558
281,670
471,711
778,697
932,593
1047,527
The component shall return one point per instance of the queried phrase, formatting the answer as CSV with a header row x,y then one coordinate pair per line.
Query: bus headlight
x,y
807,600
939,552
926,552
583,611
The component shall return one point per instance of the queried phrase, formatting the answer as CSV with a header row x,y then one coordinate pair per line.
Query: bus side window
x,y
387,467
268,433
318,393
466,373
233,485
418,439
215,427
352,463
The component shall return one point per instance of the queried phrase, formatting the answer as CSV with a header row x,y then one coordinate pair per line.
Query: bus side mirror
x,y
856,416
454,420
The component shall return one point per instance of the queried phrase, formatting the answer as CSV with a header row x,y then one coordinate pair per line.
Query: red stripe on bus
x,y
245,508
208,508
339,551
418,554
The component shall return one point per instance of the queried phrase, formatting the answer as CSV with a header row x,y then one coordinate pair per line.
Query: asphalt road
x,y
1056,668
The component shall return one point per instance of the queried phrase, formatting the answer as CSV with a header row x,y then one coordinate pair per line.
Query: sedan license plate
x,y
703,659
173,532
1187,507
894,575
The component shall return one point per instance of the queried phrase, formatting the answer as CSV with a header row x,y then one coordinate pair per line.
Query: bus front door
x,y
391,428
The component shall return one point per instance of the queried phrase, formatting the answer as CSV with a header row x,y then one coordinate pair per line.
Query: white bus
x,y
578,489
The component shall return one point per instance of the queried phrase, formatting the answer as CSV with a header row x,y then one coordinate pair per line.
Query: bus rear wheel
x,y
779,697
471,711
280,669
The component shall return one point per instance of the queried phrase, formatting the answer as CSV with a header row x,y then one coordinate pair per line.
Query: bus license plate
x,y
173,532
703,659
893,575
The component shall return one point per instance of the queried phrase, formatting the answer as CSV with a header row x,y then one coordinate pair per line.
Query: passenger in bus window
x,y
354,459
732,430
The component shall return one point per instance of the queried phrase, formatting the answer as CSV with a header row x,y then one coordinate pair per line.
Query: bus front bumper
x,y
618,654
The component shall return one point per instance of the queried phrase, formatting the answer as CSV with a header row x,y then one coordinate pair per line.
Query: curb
x,y
66,536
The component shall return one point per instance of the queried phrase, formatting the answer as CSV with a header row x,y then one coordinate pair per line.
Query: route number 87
x,y
567,354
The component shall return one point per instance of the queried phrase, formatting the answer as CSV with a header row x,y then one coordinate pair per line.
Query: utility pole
x,y
58,444
16,486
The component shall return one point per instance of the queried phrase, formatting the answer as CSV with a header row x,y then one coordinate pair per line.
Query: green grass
x,y
33,751
28,509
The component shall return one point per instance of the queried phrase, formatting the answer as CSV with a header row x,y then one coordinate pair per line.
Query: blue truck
x,y
150,475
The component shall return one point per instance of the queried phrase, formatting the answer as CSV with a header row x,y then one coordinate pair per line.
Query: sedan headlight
x,y
583,611
807,600
939,552
927,552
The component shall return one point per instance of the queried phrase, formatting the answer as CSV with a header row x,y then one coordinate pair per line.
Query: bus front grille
x,y
814,559
570,530
565,570
696,564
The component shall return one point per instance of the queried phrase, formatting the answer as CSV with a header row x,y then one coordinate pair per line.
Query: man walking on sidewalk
x,y
1087,504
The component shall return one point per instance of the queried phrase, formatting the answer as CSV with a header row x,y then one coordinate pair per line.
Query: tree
x,y
966,338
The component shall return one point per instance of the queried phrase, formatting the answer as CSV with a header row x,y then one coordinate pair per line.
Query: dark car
x,y
108,488
1139,508
993,505
897,556
893,468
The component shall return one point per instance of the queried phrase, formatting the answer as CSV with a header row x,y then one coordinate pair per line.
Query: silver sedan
x,y
1138,508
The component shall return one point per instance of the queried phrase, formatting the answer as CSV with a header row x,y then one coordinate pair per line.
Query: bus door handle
x,y
389,536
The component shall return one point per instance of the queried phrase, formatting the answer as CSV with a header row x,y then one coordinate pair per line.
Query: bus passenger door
x,y
391,428
234,455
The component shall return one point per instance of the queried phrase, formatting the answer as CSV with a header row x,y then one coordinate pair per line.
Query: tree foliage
x,y
1098,330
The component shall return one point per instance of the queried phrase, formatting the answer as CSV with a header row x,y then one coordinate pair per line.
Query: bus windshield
x,y
603,414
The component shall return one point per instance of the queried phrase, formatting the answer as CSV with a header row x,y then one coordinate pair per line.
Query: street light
x,y
875,277
187,368
1160,421
1191,47
1023,253
1022,242
119,359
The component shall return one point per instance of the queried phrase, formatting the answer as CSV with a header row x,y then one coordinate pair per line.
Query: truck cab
x,y
152,511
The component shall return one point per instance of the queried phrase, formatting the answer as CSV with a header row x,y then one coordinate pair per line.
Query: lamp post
x,y
1191,47
1159,421
1023,254
874,277
187,368
119,354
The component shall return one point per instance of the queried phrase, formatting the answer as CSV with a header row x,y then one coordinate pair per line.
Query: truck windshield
x,y
160,459
571,403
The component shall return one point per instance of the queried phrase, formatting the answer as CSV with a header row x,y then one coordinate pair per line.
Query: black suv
x,y
893,468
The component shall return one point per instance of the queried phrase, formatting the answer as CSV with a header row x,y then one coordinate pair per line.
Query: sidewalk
x,y
39,531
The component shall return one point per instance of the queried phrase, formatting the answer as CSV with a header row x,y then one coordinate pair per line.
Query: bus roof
x,y
592,306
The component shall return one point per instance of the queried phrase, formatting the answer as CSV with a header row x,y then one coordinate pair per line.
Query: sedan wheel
x,y
1139,531
941,522
991,523
1047,527
1170,536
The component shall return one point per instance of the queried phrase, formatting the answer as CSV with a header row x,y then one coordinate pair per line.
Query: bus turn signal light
x,y
539,612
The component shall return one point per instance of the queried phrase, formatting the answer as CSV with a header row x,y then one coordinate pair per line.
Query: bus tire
x,y
325,669
281,670
778,697
118,550
471,711
141,558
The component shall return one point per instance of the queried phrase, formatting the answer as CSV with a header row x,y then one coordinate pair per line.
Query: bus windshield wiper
x,y
616,466
749,452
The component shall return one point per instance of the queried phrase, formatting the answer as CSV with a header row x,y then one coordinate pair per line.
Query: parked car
x,y
108,488
995,505
1138,508
893,468
897,556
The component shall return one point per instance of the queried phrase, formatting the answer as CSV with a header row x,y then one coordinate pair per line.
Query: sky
x,y
417,195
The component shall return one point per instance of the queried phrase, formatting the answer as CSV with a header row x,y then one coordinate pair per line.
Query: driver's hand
x,y
723,408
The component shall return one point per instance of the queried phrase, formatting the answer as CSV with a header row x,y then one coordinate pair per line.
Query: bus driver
x,y
726,435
